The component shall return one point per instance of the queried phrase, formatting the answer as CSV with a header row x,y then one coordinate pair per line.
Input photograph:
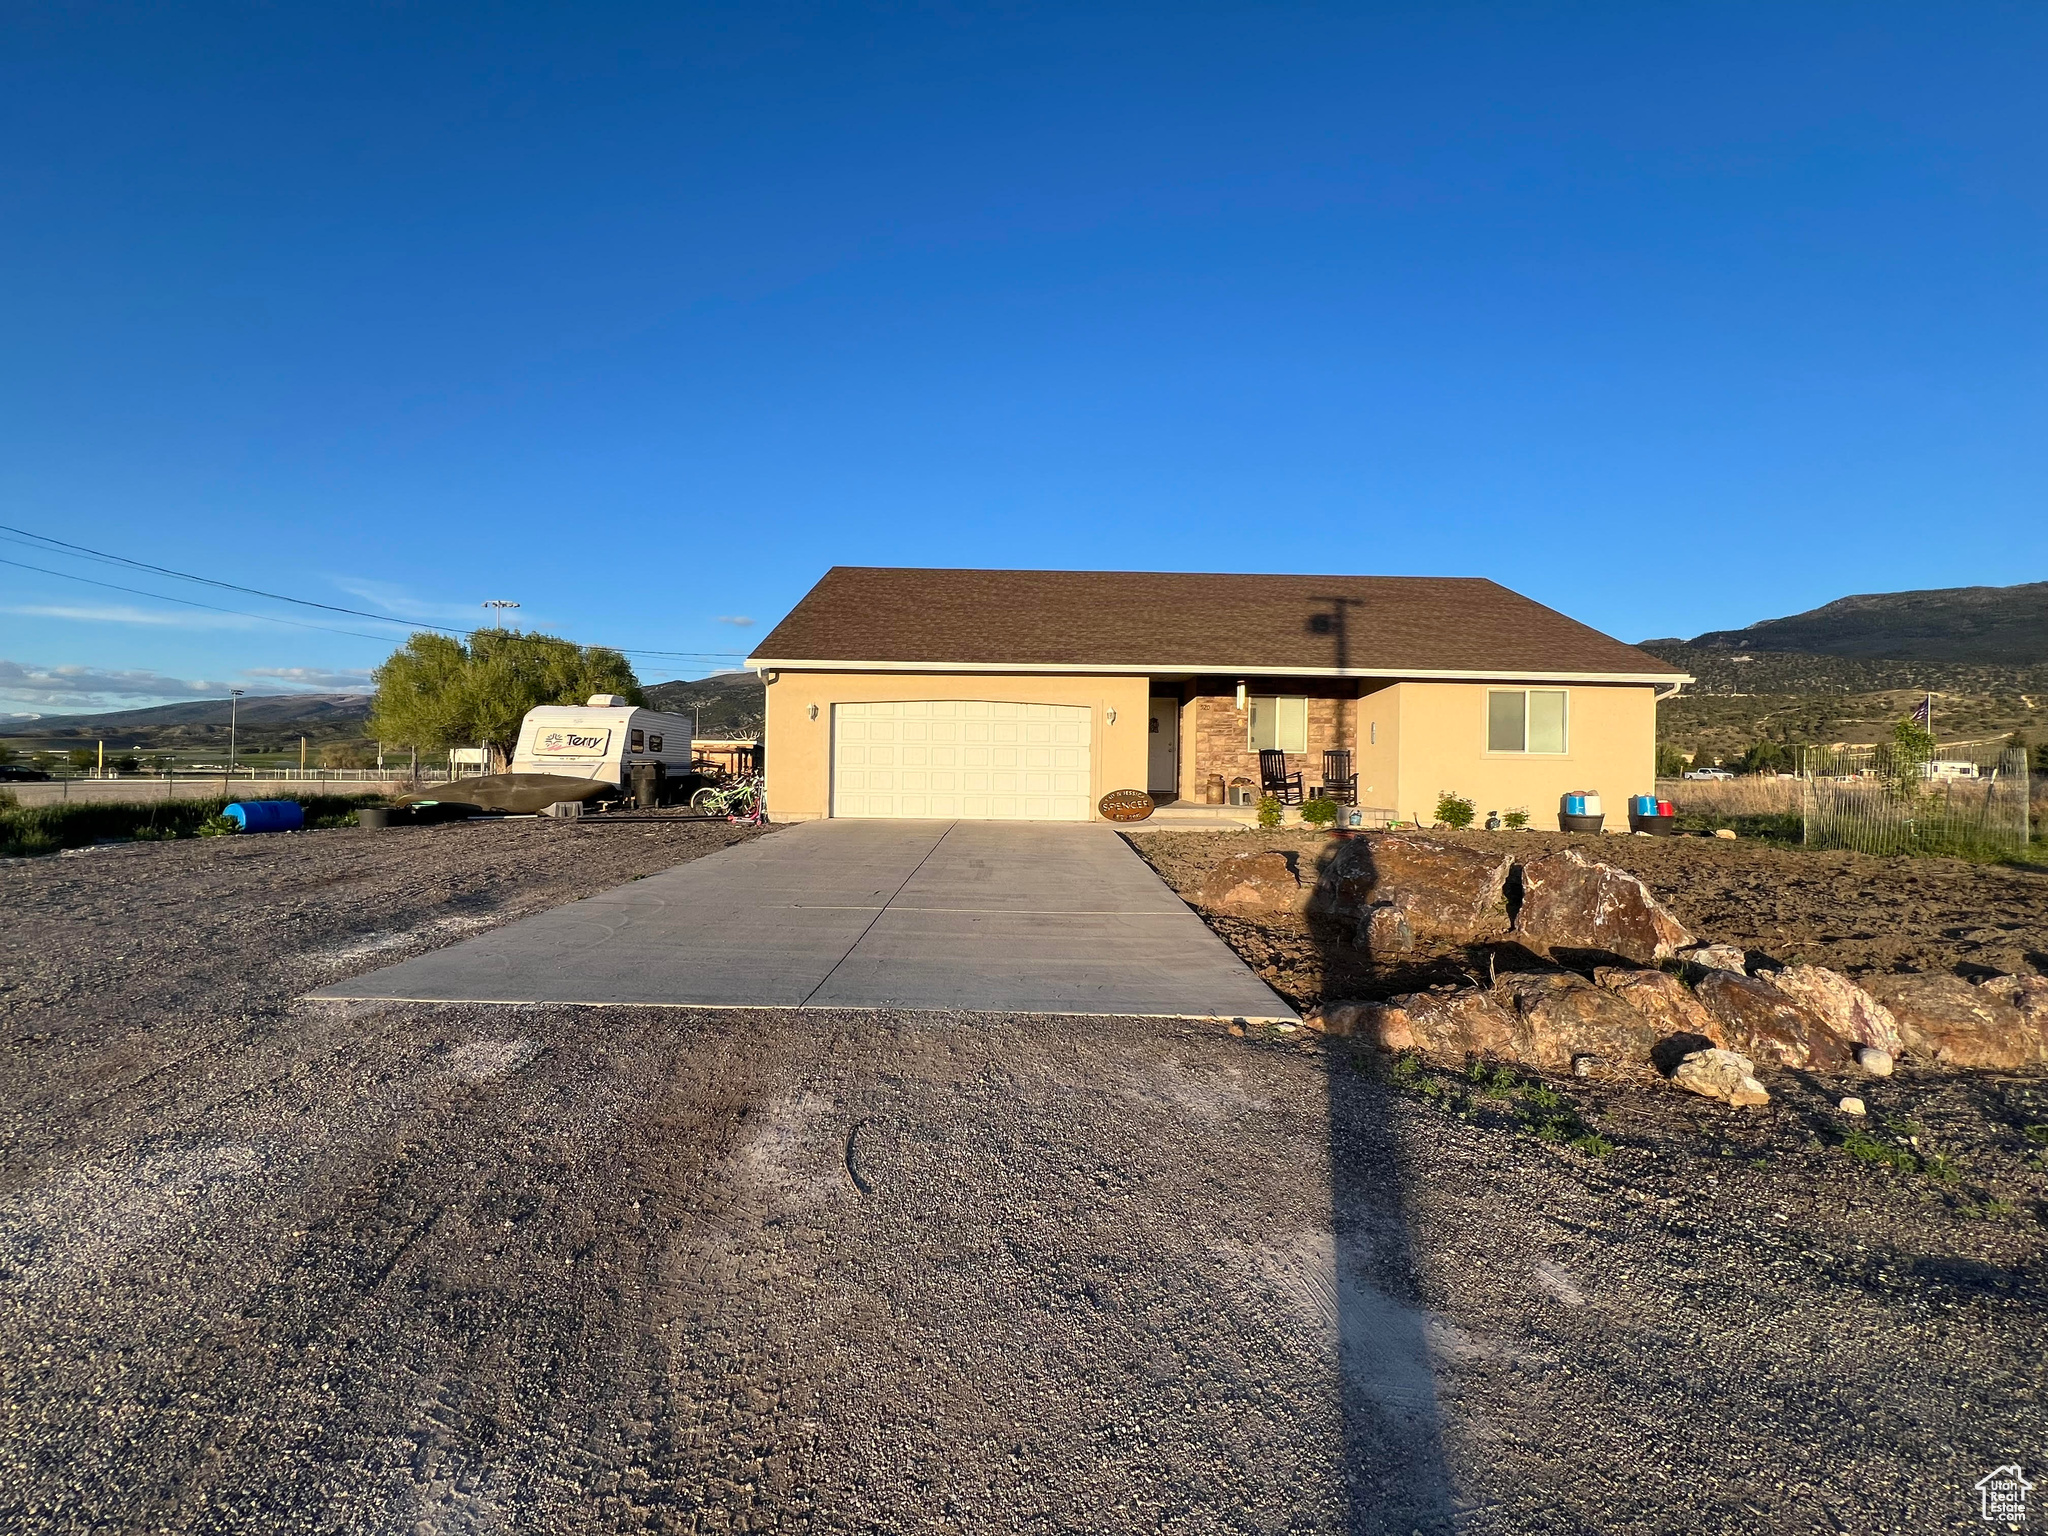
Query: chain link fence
x,y
1968,801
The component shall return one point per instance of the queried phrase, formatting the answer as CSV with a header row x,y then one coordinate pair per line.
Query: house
x,y
1031,694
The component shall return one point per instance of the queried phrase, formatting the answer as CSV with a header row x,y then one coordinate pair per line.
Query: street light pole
x,y
498,605
234,706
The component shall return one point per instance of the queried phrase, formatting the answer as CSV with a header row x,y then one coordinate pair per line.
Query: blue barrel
x,y
267,815
1644,805
1575,805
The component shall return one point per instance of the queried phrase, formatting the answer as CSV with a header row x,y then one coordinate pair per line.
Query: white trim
x,y
1163,669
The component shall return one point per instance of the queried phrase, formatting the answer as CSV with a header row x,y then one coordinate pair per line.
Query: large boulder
x,y
1944,1019
1843,1006
1442,891
1573,907
1725,1075
1760,1021
1254,884
1665,1001
1452,1027
1563,1016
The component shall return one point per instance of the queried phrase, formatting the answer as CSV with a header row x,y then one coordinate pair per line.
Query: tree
x,y
348,754
1764,757
83,758
1670,761
438,692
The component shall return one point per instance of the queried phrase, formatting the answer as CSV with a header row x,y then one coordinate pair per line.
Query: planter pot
x,y
1656,826
1579,823
376,816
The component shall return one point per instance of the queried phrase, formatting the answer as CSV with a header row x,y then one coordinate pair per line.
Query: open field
x,y
271,1266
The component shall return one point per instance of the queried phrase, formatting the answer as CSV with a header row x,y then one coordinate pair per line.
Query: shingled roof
x,y
1156,622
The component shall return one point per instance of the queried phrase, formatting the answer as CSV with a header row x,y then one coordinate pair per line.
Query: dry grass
x,y
1757,795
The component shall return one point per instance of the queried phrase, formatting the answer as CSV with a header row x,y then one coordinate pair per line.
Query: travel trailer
x,y
603,739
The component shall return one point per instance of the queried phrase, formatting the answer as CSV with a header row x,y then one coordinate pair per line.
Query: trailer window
x,y
654,743
639,741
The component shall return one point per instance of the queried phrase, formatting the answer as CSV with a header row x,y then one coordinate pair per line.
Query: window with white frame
x,y
1525,720
1277,722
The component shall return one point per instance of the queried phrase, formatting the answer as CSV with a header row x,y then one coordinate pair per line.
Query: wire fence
x,y
1969,801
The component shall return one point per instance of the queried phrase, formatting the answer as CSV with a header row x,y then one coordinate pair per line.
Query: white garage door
x,y
960,757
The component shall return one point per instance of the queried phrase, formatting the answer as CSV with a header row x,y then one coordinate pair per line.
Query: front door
x,y
1163,756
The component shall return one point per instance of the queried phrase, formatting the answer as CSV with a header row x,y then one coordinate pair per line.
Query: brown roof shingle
x,y
1150,620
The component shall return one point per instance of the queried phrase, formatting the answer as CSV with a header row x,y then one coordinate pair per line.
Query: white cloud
x,y
738,621
121,613
319,679
400,603
88,687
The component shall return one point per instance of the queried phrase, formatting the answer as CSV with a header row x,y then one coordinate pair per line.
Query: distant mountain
x,y
307,712
725,704
1985,626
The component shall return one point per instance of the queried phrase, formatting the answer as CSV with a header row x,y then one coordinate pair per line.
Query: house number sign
x,y
1125,805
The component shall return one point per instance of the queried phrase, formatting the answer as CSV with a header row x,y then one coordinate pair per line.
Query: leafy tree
x,y
1765,757
1670,761
439,692
83,758
7,755
349,754
2041,757
1904,767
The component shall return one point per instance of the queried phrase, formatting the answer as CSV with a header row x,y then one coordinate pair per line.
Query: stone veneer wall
x,y
1213,740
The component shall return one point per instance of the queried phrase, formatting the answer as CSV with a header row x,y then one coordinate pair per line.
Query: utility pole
x,y
234,706
498,605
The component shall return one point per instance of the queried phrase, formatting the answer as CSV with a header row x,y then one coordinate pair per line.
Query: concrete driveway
x,y
998,917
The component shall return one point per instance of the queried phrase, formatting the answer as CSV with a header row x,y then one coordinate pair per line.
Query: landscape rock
x,y
1852,1106
1846,1008
1877,1063
1664,1000
1384,930
1725,832
1442,891
1563,1016
1570,903
1758,1019
1944,1019
1725,1075
1253,883
1716,957
1451,1027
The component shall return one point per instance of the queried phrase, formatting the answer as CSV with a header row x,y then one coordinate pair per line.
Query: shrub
x,y
1454,812
1269,810
37,829
1319,812
1516,820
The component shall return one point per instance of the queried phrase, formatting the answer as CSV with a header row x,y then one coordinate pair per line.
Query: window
x,y
654,743
639,741
1277,722
1525,720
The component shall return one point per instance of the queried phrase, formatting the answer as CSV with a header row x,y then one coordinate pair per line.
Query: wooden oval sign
x,y
1125,805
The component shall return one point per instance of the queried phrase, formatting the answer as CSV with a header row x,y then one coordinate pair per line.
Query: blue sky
x,y
1674,317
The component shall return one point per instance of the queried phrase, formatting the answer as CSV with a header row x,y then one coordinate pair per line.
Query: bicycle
x,y
743,800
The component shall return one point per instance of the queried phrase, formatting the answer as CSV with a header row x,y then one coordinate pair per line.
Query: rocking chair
x,y
1274,779
1340,780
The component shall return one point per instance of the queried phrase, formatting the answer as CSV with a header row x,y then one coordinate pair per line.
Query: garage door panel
x,y
964,759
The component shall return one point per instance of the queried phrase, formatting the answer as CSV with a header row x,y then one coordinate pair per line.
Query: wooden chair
x,y
1274,779
1340,780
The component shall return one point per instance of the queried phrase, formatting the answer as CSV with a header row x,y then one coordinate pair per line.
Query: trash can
x,y
647,779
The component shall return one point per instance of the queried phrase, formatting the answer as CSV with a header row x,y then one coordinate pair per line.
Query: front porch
x,y
1205,735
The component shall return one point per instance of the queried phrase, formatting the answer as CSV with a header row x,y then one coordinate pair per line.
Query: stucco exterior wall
x,y
1611,741
799,749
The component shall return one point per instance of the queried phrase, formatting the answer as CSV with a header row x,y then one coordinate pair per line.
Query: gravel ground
x,y
267,1265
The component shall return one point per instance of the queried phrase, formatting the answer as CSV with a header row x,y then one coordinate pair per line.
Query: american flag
x,y
1923,713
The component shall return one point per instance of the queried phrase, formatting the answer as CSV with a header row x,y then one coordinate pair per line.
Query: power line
x,y
25,536
165,597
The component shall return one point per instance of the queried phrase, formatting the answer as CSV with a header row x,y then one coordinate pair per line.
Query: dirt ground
x,y
274,1266
1857,914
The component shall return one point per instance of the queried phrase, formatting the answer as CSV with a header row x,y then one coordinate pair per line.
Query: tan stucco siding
x,y
1611,748
799,749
